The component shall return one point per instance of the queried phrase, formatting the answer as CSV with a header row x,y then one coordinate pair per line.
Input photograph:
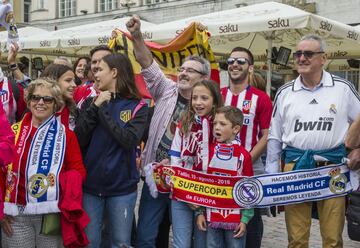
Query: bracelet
x,y
13,67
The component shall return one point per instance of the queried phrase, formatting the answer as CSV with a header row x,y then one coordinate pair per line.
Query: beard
x,y
240,77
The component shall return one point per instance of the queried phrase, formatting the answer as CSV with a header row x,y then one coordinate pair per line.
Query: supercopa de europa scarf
x,y
224,192
43,165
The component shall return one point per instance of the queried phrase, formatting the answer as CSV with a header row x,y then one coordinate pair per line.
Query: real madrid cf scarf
x,y
43,165
224,192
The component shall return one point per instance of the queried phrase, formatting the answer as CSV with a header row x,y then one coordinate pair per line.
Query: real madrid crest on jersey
x,y
246,105
332,109
125,115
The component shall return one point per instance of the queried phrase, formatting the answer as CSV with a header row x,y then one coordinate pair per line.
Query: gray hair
x,y
316,38
204,62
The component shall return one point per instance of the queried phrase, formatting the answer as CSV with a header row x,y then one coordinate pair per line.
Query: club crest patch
x,y
246,105
125,115
224,152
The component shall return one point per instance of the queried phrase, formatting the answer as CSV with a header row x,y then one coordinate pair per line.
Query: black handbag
x,y
353,216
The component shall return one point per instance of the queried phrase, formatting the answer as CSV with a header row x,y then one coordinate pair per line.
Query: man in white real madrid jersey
x,y
310,119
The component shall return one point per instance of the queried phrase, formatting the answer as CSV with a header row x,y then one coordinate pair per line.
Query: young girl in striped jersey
x,y
192,137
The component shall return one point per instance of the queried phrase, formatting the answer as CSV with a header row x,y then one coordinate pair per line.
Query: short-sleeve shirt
x,y
256,107
314,119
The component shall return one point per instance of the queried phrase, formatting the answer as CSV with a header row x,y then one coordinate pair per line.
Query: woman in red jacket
x,y
45,149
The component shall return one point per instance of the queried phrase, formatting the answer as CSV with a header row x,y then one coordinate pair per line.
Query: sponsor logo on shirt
x,y
246,120
323,124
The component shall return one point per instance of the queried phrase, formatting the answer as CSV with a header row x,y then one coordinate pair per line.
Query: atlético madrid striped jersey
x,y
256,107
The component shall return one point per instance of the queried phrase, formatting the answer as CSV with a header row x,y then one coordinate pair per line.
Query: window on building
x,y
67,8
154,1
27,10
41,4
107,5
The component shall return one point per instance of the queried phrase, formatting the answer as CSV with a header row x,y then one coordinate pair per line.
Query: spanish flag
x,y
170,56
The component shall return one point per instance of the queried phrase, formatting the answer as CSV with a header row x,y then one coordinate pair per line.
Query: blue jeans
x,y
120,211
184,227
151,212
220,238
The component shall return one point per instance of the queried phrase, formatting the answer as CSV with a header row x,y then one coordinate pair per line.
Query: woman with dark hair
x,y
45,149
110,127
80,69
65,78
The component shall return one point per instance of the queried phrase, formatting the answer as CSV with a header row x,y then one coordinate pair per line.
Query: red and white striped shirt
x,y
256,107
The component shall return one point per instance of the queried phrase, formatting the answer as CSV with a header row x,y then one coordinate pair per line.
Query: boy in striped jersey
x,y
256,107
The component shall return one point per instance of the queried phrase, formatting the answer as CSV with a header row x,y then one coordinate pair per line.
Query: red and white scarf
x,y
67,118
88,91
43,166
197,143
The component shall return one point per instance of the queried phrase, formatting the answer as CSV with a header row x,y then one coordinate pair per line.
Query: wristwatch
x,y
13,67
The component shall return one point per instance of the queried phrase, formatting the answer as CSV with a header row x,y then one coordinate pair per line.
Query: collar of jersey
x,y
326,81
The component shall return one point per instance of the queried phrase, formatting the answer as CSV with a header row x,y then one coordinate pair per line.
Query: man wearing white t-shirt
x,y
310,119
256,107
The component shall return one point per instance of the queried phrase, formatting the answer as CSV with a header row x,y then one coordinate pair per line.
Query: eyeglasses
x,y
190,70
240,61
46,99
307,54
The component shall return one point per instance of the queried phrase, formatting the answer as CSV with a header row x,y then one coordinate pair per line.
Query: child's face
x,y
223,130
202,100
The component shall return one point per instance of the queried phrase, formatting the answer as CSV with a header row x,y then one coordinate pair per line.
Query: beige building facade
x,y
57,14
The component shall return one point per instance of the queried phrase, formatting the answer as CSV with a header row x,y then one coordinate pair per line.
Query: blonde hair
x,y
50,84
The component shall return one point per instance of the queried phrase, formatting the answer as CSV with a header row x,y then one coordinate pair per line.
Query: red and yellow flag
x,y
170,56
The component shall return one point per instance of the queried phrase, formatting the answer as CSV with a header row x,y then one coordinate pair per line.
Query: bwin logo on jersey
x,y
323,124
224,153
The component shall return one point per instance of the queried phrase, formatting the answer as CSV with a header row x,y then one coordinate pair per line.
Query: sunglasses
x,y
190,70
307,54
240,61
46,99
